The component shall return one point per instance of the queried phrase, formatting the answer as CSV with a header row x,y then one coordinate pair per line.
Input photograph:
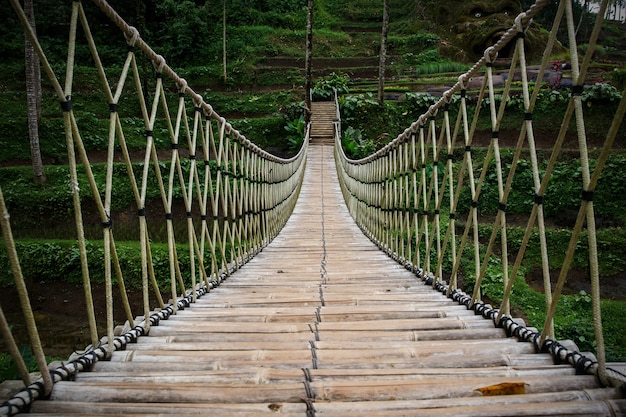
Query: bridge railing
x,y
236,196
405,196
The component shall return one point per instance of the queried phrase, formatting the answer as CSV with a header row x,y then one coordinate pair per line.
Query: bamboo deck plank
x,y
447,335
352,390
271,375
510,405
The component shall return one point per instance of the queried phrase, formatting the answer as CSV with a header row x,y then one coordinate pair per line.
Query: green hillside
x,y
265,42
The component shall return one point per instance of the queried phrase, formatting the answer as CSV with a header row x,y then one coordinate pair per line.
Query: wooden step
x,y
571,403
323,116
120,372
352,390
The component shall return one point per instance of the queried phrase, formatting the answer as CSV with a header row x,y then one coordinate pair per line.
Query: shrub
x,y
326,86
619,78
268,132
354,145
295,130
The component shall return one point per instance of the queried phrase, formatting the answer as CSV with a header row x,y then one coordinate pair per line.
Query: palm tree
x,y
307,62
383,53
33,96
224,38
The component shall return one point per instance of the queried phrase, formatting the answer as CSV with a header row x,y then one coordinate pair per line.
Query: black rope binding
x,y
313,354
582,364
560,354
22,400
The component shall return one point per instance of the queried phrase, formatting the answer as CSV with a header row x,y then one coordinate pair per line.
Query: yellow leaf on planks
x,y
505,388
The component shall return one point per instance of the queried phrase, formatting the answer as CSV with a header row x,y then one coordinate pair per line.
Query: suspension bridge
x,y
315,284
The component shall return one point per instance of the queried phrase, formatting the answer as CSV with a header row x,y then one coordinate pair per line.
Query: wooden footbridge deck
x,y
323,323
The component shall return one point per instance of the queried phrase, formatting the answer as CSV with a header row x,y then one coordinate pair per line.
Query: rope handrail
x,y
397,203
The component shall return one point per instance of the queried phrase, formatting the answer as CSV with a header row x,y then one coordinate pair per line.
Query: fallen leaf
x,y
505,388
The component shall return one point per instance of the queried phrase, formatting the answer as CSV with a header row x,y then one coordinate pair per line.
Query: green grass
x,y
8,368
58,261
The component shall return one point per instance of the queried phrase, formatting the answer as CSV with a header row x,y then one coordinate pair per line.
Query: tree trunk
x,y
33,96
383,53
308,62
224,39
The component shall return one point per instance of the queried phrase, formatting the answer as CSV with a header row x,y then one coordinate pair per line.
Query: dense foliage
x,y
379,124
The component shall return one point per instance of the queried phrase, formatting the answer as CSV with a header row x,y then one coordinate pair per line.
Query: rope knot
x,y
490,55
134,36
432,111
182,85
159,63
197,100
463,81
518,22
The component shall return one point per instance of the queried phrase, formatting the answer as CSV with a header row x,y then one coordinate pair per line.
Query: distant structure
x,y
615,12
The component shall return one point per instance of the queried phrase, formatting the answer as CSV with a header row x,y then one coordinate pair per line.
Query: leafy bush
x,y
325,87
377,123
8,368
295,129
428,57
182,24
563,194
250,103
418,104
601,92
35,206
354,145
292,111
619,78
268,132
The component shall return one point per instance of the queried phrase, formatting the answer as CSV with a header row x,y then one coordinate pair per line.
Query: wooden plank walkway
x,y
323,323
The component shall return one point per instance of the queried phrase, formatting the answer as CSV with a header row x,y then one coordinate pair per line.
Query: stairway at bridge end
x,y
323,117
